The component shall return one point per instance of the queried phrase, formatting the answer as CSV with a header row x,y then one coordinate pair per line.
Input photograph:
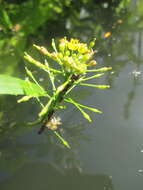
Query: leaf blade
x,y
15,86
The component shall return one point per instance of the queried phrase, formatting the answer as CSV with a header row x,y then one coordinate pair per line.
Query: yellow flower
x,y
82,48
73,44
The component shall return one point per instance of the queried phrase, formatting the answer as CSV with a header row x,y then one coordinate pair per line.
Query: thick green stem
x,y
59,96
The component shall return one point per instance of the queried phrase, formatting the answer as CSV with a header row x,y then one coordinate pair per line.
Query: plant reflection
x,y
16,149
46,177
136,77
42,162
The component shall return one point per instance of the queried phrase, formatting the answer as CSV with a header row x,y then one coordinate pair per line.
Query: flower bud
x,y
43,50
92,43
63,44
92,63
67,53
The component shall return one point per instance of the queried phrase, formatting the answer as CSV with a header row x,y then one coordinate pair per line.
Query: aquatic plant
x,y
67,67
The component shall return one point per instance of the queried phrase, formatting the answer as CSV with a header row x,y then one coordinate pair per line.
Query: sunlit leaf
x,y
15,86
10,85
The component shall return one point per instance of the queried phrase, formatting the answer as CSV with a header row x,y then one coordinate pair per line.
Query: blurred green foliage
x,y
19,20
23,21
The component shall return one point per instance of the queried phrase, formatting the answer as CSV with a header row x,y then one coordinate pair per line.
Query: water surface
x,y
109,152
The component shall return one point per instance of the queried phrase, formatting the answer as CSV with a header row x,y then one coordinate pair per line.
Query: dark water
x,y
106,154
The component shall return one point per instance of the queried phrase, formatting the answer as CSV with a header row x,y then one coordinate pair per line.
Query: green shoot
x,y
74,58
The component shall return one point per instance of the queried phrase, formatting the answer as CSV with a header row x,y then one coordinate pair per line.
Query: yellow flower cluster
x,y
72,55
73,45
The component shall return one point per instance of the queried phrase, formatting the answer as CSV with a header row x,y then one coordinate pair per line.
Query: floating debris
x,y
41,79
16,28
119,21
136,73
54,123
107,34
105,5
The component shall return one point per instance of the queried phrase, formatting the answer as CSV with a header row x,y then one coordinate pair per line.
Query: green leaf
x,y
96,86
6,19
10,85
85,115
33,89
15,86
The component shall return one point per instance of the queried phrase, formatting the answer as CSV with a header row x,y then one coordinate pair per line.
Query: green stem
x,y
49,109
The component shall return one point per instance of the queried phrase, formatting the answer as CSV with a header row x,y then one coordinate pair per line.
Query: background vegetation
x,y
23,22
